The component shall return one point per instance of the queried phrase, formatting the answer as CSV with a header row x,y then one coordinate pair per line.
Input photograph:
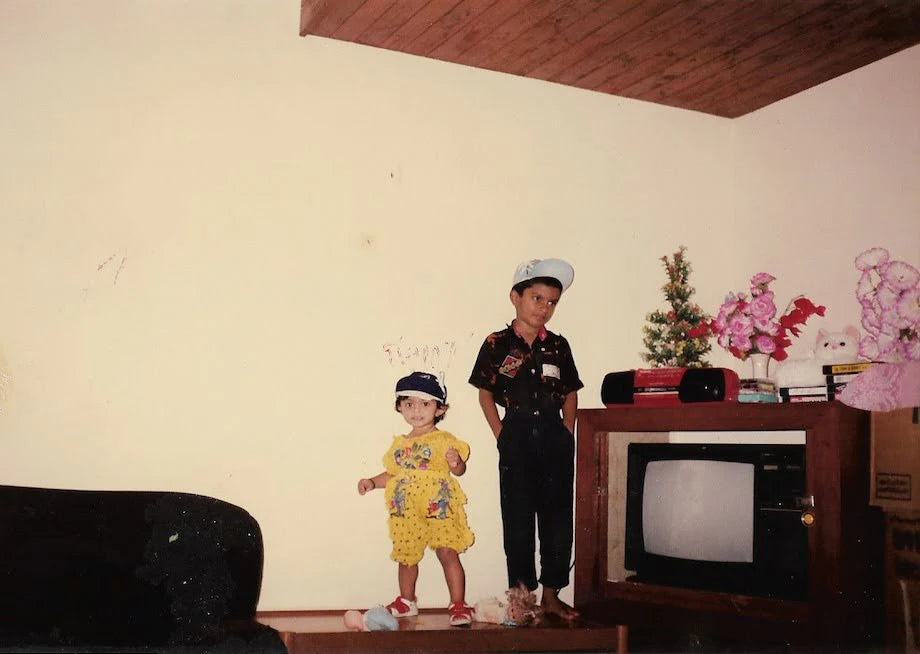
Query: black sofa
x,y
128,571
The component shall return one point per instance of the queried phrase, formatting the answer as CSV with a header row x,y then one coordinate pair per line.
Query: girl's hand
x,y
365,485
453,458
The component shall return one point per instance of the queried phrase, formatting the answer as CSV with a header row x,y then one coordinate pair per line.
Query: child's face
x,y
420,413
535,306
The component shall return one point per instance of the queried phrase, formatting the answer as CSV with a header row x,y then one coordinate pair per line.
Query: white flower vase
x,y
760,365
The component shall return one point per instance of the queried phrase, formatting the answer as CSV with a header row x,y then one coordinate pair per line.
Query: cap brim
x,y
421,394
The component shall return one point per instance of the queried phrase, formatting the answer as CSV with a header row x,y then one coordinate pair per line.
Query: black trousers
x,y
536,466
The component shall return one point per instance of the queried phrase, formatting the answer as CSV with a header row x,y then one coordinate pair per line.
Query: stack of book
x,y
756,389
836,377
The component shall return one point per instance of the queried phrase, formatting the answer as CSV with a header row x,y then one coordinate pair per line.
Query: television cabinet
x,y
843,606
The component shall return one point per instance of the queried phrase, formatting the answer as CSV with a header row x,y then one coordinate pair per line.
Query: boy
x,y
531,373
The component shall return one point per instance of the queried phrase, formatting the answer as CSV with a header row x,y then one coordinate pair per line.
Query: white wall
x,y
831,172
222,244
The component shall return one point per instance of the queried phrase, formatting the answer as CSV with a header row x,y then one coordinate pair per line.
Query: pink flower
x,y
891,322
887,296
730,304
868,348
741,343
762,279
766,326
870,321
741,325
886,343
912,349
762,306
899,275
865,286
908,305
871,258
764,344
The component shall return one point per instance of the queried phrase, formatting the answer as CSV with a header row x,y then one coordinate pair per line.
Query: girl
x,y
425,502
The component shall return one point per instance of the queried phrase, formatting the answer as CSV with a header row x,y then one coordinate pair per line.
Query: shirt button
x,y
532,371
536,413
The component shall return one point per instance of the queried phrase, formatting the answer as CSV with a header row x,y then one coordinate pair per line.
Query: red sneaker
x,y
461,614
402,608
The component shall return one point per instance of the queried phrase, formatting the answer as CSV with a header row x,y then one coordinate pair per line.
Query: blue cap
x,y
423,385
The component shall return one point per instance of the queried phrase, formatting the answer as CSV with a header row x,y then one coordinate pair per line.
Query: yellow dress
x,y
424,499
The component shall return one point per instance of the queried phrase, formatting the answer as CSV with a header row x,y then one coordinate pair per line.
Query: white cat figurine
x,y
830,347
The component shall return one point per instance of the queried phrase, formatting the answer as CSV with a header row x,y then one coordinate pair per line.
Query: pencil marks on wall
x,y
108,271
117,270
426,357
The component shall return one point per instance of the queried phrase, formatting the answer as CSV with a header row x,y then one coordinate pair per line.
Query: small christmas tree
x,y
679,337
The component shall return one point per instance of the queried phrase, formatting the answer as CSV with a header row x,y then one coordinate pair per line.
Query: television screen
x,y
717,516
700,510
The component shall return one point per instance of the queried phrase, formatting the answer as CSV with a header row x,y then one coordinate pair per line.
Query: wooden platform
x,y
430,631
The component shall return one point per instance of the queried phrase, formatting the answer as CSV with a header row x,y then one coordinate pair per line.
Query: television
x,y
718,516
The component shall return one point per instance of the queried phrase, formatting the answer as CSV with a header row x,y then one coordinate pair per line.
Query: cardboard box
x,y
902,581
895,460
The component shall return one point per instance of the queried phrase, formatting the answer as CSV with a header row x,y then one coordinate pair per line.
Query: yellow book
x,y
837,368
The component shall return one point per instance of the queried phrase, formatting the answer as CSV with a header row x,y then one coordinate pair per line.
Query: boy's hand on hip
x,y
453,457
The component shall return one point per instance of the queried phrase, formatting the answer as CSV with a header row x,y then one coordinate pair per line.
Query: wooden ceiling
x,y
722,57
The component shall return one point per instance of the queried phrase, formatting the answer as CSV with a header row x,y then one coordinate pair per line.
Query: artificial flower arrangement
x,y
748,325
889,294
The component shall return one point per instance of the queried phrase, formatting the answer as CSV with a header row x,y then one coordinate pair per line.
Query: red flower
x,y
699,331
802,310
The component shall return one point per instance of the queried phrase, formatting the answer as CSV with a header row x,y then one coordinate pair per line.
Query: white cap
x,y
555,268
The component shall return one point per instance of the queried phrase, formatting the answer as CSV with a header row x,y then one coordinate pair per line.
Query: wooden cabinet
x,y
845,542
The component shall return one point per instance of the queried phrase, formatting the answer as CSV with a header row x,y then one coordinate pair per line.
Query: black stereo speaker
x,y
708,385
618,387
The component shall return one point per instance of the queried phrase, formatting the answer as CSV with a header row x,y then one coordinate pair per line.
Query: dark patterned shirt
x,y
523,377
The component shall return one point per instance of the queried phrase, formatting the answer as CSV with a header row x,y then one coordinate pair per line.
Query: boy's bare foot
x,y
552,605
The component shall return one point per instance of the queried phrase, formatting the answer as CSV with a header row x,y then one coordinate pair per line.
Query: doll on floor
x,y
519,609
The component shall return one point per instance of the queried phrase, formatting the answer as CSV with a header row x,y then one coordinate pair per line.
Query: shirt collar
x,y
540,334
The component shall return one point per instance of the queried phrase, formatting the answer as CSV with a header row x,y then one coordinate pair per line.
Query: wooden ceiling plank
x,y
497,49
420,21
573,36
466,39
716,37
501,23
308,11
820,70
840,32
455,21
325,16
634,15
392,19
558,31
772,45
662,37
362,19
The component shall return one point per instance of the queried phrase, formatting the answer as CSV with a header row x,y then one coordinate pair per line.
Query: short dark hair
x,y
441,405
520,287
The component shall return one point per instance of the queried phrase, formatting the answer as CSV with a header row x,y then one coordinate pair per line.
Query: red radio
x,y
669,386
